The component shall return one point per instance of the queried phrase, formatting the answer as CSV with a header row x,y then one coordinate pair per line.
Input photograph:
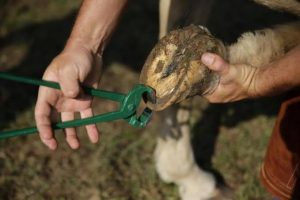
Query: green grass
x,y
228,139
243,148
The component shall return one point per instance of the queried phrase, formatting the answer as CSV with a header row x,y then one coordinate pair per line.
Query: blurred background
x,y
229,140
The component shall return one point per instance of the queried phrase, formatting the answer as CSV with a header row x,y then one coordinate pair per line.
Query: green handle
x,y
67,124
74,123
13,133
127,110
114,96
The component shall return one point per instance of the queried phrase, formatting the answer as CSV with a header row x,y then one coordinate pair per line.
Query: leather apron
x,y
280,170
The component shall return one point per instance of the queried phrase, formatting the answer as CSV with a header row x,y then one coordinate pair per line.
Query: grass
x,y
228,139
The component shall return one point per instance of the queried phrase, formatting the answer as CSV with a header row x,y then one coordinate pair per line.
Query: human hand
x,y
236,81
73,67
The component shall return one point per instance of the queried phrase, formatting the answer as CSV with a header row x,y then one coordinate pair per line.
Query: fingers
x,y
43,122
227,72
215,63
234,79
71,136
91,129
74,105
68,79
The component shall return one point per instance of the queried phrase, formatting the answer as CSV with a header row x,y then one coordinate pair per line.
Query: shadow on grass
x,y
207,129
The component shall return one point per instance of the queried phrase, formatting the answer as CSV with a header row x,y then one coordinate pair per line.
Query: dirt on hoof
x,y
174,68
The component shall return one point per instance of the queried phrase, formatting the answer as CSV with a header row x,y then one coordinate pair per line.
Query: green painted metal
x,y
128,105
114,96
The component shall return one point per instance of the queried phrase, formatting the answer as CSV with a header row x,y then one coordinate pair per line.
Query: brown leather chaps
x,y
280,170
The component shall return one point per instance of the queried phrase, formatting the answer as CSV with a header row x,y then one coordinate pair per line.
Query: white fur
x,y
164,9
264,46
175,163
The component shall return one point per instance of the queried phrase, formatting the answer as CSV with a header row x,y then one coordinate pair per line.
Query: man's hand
x,y
236,81
72,68
79,64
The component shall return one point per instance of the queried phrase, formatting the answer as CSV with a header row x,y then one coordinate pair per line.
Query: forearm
x,y
279,76
95,23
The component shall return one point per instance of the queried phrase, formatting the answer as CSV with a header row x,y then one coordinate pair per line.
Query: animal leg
x,y
164,8
264,46
175,160
179,13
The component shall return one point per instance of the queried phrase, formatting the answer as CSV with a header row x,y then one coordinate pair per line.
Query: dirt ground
x,y
229,140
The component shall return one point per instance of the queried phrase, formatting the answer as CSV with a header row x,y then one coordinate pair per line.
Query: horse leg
x,y
175,160
174,155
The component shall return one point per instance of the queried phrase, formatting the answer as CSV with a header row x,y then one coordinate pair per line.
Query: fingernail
x,y
207,59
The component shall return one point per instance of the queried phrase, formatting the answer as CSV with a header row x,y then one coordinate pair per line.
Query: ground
x,y
229,140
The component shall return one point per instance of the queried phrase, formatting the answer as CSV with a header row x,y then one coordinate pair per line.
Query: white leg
x,y
263,46
174,156
178,13
175,159
164,8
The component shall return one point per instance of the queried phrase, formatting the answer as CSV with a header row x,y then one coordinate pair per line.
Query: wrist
x,y
256,89
247,84
271,81
280,75
268,83
95,23
94,46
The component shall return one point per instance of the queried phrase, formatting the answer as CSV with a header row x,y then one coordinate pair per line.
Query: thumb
x,y
69,83
215,63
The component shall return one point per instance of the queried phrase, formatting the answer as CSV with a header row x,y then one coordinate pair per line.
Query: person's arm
x,y
78,64
95,23
243,81
279,76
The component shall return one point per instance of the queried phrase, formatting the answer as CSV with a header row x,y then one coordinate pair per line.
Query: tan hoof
x,y
174,68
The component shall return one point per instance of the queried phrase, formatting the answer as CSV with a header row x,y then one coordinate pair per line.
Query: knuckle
x,y
63,71
38,114
42,120
45,136
72,92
